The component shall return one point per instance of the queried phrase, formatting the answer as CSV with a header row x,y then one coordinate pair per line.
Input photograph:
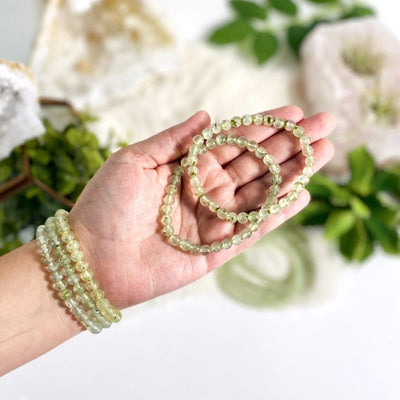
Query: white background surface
x,y
211,348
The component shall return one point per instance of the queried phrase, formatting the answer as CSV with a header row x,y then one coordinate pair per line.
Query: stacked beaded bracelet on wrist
x,y
272,206
71,276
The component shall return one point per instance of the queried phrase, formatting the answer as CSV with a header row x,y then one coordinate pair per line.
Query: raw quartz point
x,y
215,136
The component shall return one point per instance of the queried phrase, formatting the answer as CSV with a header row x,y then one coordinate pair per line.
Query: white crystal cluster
x,y
352,69
19,107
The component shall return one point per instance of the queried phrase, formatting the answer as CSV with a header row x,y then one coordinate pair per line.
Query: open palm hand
x,y
117,217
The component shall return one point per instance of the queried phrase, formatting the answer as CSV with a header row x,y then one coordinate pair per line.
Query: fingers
x,y
252,195
172,143
259,133
282,145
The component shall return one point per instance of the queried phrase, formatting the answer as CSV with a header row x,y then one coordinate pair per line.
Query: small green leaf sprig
x,y
64,160
361,213
252,29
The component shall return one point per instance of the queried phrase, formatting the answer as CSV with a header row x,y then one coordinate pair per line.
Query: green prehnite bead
x,y
289,125
174,240
236,121
168,230
226,125
268,159
86,275
246,233
226,243
211,143
242,141
174,179
166,220
284,202
260,152
268,120
199,191
216,247
252,145
231,139
305,140
205,249
65,294
298,131
231,217
308,171
292,195
92,286
216,127
308,150
166,209
97,295
253,216
79,288
179,170
198,139
171,189
222,213
221,139
193,170
274,168
59,286
192,160
207,134
279,123
242,218
205,200
258,119
247,119
81,266
213,206
310,161
236,239
185,245
195,181
274,209
168,199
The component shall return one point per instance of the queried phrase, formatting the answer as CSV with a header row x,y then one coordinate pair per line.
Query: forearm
x,y
32,320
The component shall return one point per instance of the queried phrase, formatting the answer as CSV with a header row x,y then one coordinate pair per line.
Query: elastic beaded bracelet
x,y
271,206
79,291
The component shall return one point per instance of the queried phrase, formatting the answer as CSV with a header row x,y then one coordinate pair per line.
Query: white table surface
x,y
209,347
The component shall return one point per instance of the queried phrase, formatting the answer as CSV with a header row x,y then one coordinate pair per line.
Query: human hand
x,y
117,216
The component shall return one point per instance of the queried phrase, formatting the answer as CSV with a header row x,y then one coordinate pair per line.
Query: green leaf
x,y
386,180
381,212
385,235
358,11
359,207
296,35
231,32
362,169
356,244
321,187
323,1
338,223
5,172
284,6
248,9
315,213
265,46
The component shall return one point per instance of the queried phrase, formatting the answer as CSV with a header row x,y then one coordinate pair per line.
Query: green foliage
x,y
64,160
361,213
250,24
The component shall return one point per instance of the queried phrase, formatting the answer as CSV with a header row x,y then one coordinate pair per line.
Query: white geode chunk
x,y
352,69
19,107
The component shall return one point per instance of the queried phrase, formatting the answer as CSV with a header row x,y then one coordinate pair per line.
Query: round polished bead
x,y
216,127
184,162
284,202
304,179
211,143
264,212
216,247
185,245
171,189
276,179
246,233
247,119
236,121
174,179
59,286
194,150
254,216
289,125
81,266
207,133
221,139
298,187
67,236
166,220
310,161
198,139
56,276
308,171
195,181
168,199
226,243
242,141
308,150
213,206
193,170
274,190
226,125
236,239
72,246
254,226
205,249
73,279
268,120
179,170
279,123
168,230
76,256
231,217
205,201
268,159
92,286
292,195
258,119
274,209
174,240
166,209
260,152
305,140
274,168
222,213
79,288
231,139
195,248
298,131
87,275
242,218
252,145
199,191
51,266
96,294
65,294
192,160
